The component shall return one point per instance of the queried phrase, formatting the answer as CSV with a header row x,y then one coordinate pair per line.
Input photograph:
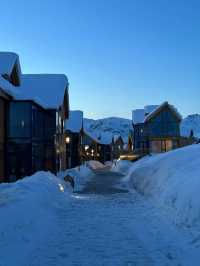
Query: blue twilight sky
x,y
118,54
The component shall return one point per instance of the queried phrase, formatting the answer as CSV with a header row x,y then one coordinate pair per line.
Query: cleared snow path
x,y
104,225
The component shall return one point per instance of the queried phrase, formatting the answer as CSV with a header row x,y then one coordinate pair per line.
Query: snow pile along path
x,y
28,214
172,180
121,166
80,174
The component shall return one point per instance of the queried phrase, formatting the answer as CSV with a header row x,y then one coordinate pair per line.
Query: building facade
x,y
157,130
73,138
33,109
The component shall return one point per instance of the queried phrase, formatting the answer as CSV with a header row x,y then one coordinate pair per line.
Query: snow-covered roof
x,y
8,61
138,116
150,108
47,89
143,115
157,110
105,138
8,88
75,121
116,137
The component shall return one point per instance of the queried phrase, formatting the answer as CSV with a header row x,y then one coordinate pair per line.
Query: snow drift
x,y
81,175
121,166
28,214
172,180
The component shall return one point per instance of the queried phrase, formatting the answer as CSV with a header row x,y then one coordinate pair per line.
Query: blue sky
x,y
118,55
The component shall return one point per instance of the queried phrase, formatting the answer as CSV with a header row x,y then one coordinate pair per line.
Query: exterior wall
x,y
73,149
140,141
164,124
2,139
161,133
31,131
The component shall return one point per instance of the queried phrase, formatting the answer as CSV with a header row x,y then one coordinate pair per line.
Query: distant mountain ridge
x,y
112,125
121,126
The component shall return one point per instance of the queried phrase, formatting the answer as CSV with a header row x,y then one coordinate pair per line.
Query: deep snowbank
x,y
172,180
80,174
121,166
28,213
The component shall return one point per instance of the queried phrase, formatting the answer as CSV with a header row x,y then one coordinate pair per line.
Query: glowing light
x,y
61,187
86,147
67,139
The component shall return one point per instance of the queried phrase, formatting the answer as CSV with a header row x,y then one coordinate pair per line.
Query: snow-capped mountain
x,y
121,126
112,125
191,122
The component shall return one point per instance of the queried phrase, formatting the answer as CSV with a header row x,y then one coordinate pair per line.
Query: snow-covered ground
x,y
43,223
172,181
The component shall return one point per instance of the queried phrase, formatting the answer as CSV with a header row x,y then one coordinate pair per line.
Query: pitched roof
x,y
159,108
8,61
144,115
47,89
75,121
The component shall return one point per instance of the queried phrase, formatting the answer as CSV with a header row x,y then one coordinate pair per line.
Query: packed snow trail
x,y
100,225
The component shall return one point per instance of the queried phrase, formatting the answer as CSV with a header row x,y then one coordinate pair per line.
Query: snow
x,y
112,125
33,87
172,181
138,116
191,122
143,115
7,62
26,207
122,166
8,88
42,223
150,108
159,107
95,165
75,121
80,174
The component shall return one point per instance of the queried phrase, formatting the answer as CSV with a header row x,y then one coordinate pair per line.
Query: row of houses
x,y
39,132
155,129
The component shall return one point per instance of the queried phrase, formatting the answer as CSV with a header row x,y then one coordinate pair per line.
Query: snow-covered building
x,y
33,109
73,138
10,72
96,147
156,128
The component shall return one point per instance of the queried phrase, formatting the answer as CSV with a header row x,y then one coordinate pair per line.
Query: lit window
x,y
67,140
22,123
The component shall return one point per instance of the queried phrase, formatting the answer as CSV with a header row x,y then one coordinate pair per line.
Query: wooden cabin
x,y
156,128
73,138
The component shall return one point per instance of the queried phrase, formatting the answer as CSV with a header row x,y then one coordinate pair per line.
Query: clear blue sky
x,y
118,55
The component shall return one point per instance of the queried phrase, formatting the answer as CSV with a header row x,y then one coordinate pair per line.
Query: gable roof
x,y
143,115
75,121
159,108
47,89
8,62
